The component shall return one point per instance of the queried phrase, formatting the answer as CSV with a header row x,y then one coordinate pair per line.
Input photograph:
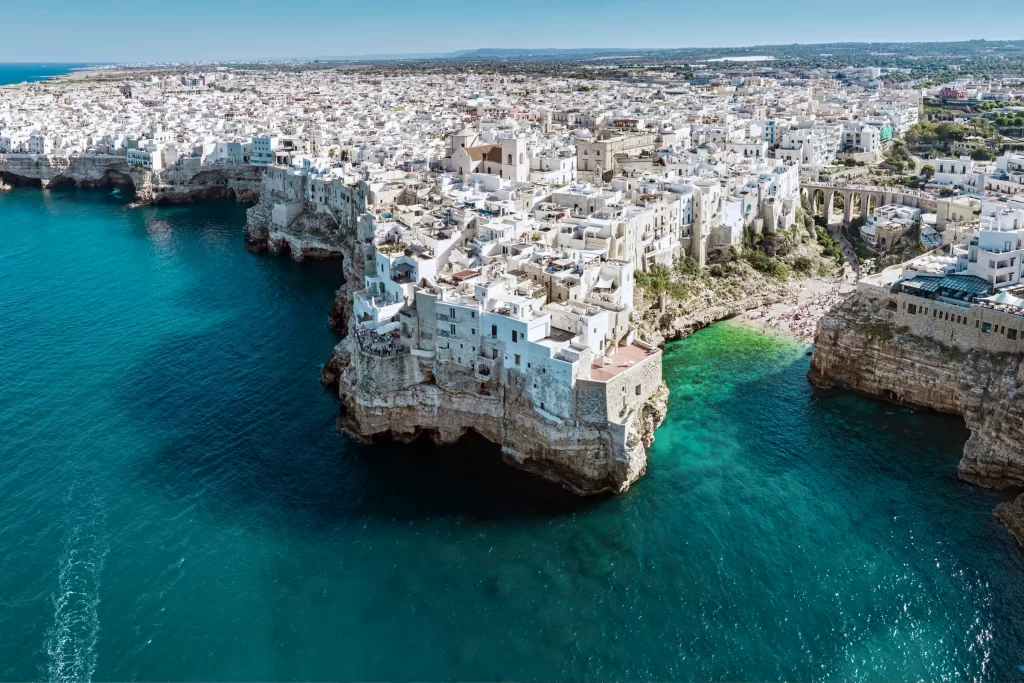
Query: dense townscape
x,y
504,232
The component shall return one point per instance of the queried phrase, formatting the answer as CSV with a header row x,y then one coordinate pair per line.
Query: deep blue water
x,y
176,505
20,72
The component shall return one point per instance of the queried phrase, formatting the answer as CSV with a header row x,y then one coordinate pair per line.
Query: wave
x,y
71,641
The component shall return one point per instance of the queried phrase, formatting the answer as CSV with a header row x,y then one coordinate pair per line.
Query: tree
x,y
928,171
982,154
330,152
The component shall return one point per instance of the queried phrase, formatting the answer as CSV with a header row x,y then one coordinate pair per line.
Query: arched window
x,y
509,159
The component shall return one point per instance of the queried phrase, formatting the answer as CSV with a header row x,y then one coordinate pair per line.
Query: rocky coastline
x,y
861,347
378,400
178,184
404,398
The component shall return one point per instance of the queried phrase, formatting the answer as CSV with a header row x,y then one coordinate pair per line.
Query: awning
x,y
1006,298
604,282
968,284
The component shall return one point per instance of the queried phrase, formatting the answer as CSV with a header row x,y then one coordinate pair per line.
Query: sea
x,y
22,72
176,504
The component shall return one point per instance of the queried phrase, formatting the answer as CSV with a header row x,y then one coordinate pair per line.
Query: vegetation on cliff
x,y
672,301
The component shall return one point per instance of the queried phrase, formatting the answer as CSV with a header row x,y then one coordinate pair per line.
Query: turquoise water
x,y
21,72
175,503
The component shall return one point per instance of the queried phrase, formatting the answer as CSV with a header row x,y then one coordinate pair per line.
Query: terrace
x,y
624,358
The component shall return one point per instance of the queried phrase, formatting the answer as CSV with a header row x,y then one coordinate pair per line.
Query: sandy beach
x,y
809,299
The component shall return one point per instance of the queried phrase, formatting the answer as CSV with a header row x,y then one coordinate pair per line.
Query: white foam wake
x,y
71,641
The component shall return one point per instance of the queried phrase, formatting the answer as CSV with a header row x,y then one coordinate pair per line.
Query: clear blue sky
x,y
194,30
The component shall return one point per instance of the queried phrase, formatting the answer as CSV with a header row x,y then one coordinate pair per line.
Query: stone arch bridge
x,y
860,200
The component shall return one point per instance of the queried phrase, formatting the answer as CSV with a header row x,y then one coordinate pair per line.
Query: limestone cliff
x,y
661,321
680,303
177,184
404,397
309,234
860,346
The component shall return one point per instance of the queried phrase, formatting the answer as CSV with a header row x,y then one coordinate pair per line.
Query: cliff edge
x,y
865,345
184,183
405,397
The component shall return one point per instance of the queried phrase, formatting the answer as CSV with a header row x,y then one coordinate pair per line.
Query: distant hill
x,y
814,51
488,53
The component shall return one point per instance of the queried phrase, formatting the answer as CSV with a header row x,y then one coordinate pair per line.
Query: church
x,y
507,159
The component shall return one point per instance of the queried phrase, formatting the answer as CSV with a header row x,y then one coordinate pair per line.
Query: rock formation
x,y
177,184
403,398
308,234
860,346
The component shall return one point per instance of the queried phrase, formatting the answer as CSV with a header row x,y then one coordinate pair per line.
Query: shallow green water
x,y
175,504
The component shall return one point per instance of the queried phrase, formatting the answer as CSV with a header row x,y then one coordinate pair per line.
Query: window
x,y
1011,334
912,309
452,326
517,359
494,330
473,331
987,328
637,389
515,338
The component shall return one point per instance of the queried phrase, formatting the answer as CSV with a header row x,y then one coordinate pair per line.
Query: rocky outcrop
x,y
404,398
177,184
310,235
1012,515
664,323
860,346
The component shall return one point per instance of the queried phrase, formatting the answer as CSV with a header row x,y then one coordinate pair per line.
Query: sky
x,y
222,30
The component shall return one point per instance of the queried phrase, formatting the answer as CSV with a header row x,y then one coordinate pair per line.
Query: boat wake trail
x,y
71,641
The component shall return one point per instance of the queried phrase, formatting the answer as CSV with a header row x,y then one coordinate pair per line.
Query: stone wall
x,y
621,396
967,329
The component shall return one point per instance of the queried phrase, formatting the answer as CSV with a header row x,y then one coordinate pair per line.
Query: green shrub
x,y
803,265
770,266
688,266
832,248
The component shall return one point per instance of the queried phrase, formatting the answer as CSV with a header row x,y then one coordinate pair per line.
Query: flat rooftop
x,y
624,358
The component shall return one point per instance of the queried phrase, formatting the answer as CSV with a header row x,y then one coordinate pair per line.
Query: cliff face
x,y
861,347
404,397
241,182
664,323
308,235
